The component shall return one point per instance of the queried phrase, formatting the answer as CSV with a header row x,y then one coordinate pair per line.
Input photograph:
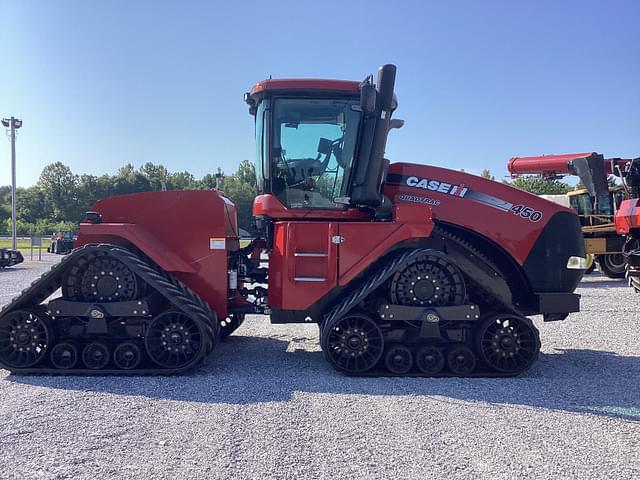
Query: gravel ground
x,y
266,405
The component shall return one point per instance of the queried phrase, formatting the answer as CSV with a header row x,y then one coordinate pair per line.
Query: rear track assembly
x,y
119,314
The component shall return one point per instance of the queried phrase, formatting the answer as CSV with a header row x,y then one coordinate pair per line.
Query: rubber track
x,y
176,292
383,274
451,237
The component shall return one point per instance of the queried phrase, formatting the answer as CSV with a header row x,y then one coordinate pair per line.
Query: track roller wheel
x,y
353,343
429,279
64,356
508,343
398,359
127,356
230,325
174,340
430,360
461,360
24,339
95,356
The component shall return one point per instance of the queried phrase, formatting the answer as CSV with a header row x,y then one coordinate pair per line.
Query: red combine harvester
x,y
407,269
616,225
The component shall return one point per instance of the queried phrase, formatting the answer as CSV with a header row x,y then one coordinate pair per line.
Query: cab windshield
x,y
313,142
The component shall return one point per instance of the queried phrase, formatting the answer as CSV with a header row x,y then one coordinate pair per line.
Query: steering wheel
x,y
299,169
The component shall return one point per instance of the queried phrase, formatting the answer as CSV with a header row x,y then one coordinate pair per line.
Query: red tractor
x,y
407,269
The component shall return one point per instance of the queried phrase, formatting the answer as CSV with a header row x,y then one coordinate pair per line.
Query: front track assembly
x,y
419,315
119,314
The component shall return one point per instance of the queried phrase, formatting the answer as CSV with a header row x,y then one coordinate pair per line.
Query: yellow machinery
x,y
600,237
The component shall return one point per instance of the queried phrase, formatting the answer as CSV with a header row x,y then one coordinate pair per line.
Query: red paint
x,y
628,216
335,263
513,233
173,228
305,84
287,293
269,205
544,164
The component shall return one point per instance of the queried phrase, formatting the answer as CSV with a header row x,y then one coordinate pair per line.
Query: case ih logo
x,y
437,186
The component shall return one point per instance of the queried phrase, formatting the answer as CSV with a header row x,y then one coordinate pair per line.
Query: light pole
x,y
14,124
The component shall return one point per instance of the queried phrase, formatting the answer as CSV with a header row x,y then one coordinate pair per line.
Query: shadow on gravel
x,y
246,370
14,268
605,282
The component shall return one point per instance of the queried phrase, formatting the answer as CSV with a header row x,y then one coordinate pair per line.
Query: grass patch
x,y
24,245
20,243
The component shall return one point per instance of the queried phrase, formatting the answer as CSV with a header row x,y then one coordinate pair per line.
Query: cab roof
x,y
302,84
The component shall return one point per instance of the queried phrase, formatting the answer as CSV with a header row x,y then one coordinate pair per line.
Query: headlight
x,y
577,263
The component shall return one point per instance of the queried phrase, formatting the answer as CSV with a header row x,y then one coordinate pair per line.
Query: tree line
x,y
60,198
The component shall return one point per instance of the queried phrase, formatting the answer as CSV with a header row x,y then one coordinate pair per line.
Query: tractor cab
x,y
320,145
603,213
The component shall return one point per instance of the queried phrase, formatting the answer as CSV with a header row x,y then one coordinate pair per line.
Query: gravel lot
x,y
266,405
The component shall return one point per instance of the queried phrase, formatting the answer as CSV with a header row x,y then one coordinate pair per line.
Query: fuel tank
x,y
188,233
537,234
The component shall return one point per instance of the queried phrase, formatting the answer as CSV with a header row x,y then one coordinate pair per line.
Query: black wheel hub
x,y
354,341
508,343
430,360
398,359
353,344
64,356
24,339
428,280
108,279
461,361
95,356
424,290
106,286
127,356
173,340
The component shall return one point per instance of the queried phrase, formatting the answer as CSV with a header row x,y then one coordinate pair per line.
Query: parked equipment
x,y
596,204
628,222
408,269
9,258
62,243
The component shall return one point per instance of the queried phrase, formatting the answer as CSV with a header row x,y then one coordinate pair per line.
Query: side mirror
x,y
396,123
325,146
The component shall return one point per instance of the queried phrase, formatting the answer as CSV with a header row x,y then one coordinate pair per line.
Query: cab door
x,y
303,264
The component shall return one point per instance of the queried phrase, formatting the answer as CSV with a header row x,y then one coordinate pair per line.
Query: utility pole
x,y
14,124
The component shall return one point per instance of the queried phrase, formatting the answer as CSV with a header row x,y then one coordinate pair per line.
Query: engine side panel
x,y
188,233
510,217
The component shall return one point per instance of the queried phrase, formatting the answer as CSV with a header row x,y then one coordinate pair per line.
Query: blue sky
x,y
100,84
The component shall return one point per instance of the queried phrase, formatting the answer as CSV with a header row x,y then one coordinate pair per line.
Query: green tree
x,y
128,180
30,204
181,181
487,174
5,203
246,172
157,175
59,187
240,188
540,186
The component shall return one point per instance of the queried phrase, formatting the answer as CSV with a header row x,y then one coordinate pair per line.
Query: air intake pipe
x,y
370,165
